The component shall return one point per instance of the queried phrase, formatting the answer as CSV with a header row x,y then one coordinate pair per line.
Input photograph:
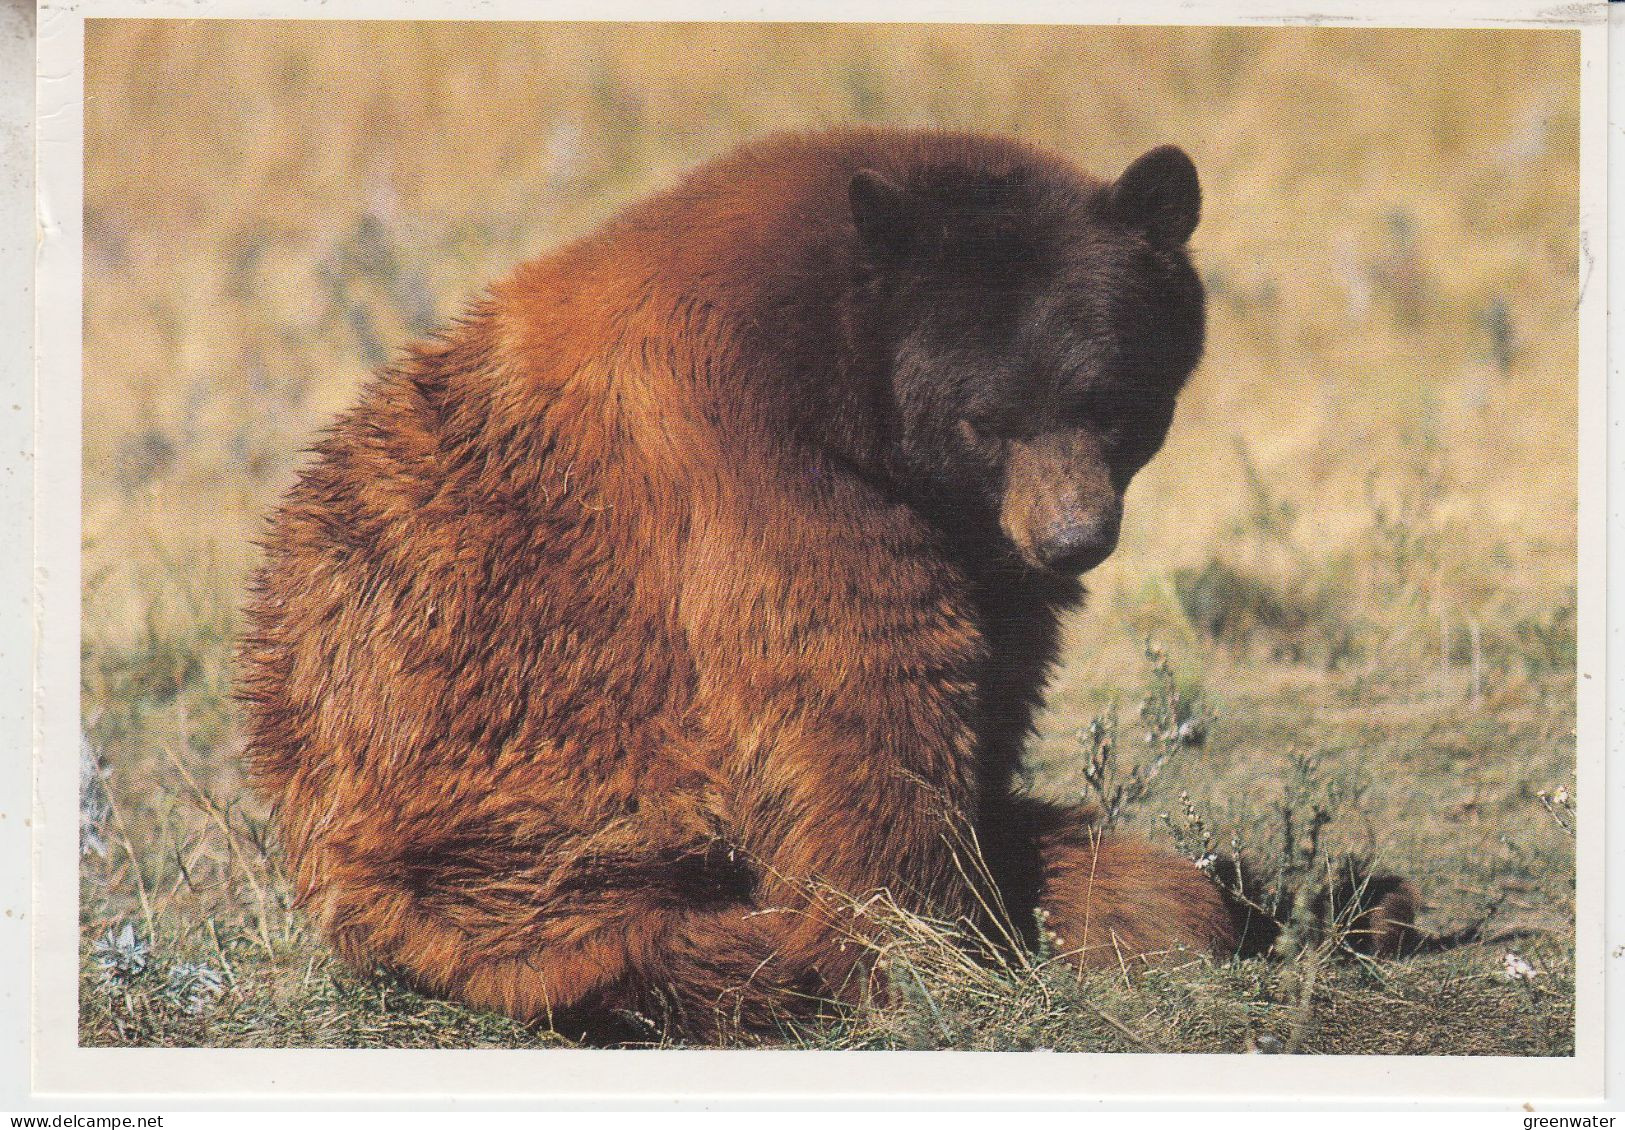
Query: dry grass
x,y
1359,544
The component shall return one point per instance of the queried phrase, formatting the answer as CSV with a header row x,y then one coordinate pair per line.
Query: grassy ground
x,y
1356,554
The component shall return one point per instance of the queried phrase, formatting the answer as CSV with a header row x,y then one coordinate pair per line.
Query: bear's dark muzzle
x,y
1077,543
1061,509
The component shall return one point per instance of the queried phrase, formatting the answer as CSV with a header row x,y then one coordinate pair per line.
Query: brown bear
x,y
703,579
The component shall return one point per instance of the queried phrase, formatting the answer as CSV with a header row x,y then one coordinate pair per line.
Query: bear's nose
x,y
1076,543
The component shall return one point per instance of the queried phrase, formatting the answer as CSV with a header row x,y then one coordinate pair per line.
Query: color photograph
x,y
830,537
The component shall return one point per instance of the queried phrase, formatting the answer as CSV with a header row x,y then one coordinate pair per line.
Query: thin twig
x,y
1306,1001
1123,1029
135,861
212,810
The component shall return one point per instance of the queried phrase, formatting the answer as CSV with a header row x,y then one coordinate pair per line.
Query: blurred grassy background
x,y
1358,545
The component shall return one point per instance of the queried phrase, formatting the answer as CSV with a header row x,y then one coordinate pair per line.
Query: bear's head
x,y
1036,328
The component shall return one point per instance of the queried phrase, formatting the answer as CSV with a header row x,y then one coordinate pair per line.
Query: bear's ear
x,y
1160,193
880,212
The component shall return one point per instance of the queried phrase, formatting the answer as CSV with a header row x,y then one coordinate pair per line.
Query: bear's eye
x,y
1103,418
979,435
1128,422
1112,436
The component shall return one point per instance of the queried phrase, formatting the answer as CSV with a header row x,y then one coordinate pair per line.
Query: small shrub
x,y
1559,805
1546,642
121,958
155,668
142,458
1501,339
1305,896
1172,717
1269,517
1245,612
140,993
95,809
1398,273
1402,500
193,988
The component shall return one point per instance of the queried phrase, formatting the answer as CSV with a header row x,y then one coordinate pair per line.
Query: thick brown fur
x,y
624,632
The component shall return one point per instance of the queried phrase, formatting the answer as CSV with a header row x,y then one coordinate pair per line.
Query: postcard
x,y
795,554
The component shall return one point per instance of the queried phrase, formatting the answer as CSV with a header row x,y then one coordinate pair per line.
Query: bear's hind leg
x,y
545,926
718,976
511,955
1112,899
678,944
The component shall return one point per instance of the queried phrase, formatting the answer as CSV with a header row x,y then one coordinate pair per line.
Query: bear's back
x,y
482,572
